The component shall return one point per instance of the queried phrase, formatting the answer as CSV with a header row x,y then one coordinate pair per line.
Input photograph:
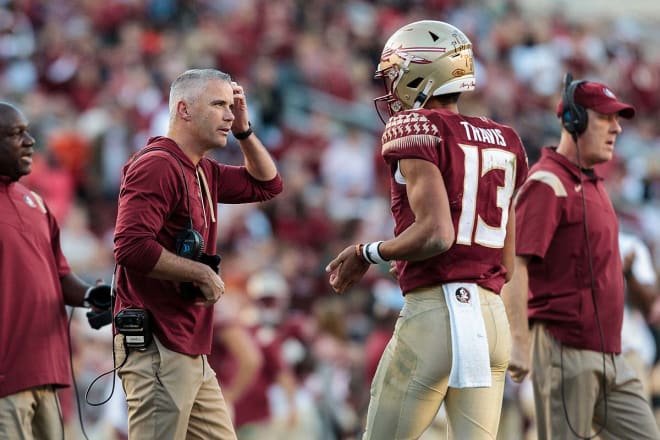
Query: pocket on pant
x,y
120,350
161,358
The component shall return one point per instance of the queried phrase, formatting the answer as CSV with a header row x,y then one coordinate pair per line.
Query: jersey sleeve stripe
x,y
414,141
551,180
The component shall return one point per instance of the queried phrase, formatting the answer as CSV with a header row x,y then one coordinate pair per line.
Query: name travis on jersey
x,y
488,135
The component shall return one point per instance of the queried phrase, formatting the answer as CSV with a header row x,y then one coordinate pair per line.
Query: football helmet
x,y
423,59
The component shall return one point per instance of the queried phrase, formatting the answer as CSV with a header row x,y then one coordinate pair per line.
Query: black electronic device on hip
x,y
135,325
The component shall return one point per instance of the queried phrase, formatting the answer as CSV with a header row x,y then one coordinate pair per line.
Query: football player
x,y
452,178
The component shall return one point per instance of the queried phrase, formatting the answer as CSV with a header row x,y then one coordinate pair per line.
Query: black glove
x,y
188,290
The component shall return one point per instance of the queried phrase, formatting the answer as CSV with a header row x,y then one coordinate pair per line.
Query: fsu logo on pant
x,y
463,295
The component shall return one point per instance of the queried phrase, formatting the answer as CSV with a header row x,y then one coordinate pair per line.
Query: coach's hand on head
x,y
242,118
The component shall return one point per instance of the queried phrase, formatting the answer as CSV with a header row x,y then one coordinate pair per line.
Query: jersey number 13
x,y
491,159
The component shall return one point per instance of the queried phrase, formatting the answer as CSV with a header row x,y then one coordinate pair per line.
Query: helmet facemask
x,y
391,74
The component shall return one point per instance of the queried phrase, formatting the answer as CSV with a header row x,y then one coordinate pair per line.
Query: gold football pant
x,y
411,380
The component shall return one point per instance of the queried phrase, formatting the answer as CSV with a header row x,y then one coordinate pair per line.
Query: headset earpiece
x,y
189,244
573,116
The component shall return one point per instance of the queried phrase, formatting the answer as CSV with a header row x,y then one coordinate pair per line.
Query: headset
x,y
574,117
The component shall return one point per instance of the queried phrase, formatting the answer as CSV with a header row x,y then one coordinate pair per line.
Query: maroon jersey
x,y
33,338
550,229
153,209
482,164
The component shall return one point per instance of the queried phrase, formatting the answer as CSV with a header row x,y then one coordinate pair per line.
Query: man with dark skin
x,y
35,284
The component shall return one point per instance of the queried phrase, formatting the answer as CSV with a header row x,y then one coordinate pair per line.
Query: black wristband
x,y
244,134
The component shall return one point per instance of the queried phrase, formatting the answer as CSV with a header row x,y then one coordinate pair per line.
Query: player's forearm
x,y
514,295
509,250
420,241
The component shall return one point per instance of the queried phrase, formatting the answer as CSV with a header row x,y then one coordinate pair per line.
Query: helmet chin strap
x,y
423,96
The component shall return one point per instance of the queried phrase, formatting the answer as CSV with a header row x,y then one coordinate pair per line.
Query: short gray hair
x,y
189,84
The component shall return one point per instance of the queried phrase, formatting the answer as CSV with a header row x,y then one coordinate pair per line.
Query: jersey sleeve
x,y
538,212
410,135
522,165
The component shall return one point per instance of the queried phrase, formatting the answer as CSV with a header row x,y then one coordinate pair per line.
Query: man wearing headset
x,y
567,258
167,211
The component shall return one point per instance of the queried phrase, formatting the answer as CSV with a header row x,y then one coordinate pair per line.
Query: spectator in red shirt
x,y
388,302
452,180
166,219
35,284
254,415
235,355
568,281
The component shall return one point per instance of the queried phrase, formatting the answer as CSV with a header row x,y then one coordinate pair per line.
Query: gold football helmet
x,y
423,59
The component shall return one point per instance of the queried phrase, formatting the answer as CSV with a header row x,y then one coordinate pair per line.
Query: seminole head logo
x,y
462,295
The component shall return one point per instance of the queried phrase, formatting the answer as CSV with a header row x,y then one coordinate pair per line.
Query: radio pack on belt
x,y
135,325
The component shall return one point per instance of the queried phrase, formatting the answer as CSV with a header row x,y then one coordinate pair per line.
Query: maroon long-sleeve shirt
x,y
153,209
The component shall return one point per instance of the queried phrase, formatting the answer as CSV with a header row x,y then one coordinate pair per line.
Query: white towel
x,y
470,365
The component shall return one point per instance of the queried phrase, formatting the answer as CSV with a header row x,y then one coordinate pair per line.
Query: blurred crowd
x,y
92,78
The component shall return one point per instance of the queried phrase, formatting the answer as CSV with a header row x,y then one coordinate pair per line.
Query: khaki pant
x,y
31,414
568,394
411,380
172,396
642,371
